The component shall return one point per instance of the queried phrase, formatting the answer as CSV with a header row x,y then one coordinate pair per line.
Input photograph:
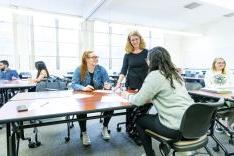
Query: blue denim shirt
x,y
8,74
100,76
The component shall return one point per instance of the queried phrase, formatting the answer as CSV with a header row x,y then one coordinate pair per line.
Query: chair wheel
x,y
216,149
231,141
67,139
118,129
38,143
32,145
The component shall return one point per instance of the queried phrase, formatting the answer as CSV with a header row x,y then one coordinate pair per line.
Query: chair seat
x,y
157,136
183,145
189,145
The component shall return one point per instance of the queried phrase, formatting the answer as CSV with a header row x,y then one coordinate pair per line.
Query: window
x,y
68,42
56,40
45,40
7,50
101,42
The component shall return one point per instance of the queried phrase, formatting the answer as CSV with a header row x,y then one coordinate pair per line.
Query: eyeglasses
x,y
220,62
94,57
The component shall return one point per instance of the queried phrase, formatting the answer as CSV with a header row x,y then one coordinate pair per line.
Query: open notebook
x,y
223,90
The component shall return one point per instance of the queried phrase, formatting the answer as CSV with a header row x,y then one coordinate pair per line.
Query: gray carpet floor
x,y
53,143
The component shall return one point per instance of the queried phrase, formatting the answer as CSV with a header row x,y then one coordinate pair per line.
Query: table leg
x,y
11,146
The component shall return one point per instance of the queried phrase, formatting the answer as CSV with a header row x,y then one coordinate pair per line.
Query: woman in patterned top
x,y
218,76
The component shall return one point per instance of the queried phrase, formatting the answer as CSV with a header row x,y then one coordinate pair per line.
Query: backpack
x,y
52,83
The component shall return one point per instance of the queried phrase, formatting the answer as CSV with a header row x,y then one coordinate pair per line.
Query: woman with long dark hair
x,y
164,87
42,72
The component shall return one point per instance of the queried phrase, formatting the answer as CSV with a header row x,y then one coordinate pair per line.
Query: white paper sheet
x,y
103,91
113,99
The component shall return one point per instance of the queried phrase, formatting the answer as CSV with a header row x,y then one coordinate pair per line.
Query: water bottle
x,y
122,87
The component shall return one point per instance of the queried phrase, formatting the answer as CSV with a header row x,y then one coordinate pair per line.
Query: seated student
x,y
6,73
87,77
217,77
164,87
42,72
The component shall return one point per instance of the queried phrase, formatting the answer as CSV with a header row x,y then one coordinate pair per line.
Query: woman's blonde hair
x,y
83,66
224,70
129,48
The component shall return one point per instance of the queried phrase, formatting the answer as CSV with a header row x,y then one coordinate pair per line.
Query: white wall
x,y
173,44
218,41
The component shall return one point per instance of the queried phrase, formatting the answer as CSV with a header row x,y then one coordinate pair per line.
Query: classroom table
x,y
11,84
207,94
56,104
8,87
43,95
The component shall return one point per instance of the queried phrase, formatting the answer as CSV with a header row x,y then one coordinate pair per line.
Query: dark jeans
x,y
105,122
151,122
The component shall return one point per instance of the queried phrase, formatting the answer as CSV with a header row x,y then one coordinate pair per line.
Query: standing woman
x,y
134,67
88,77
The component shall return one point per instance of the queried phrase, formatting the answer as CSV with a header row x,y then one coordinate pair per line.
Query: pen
x,y
44,104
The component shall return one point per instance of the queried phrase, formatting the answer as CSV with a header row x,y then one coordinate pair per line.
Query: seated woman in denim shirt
x,y
87,77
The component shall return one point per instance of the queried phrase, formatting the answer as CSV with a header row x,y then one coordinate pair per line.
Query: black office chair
x,y
25,75
193,85
52,83
197,120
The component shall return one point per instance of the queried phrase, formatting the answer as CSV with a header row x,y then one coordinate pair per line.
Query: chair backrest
x,y
197,119
51,84
25,75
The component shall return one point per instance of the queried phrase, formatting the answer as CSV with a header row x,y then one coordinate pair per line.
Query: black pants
x,y
131,116
105,122
33,89
151,122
